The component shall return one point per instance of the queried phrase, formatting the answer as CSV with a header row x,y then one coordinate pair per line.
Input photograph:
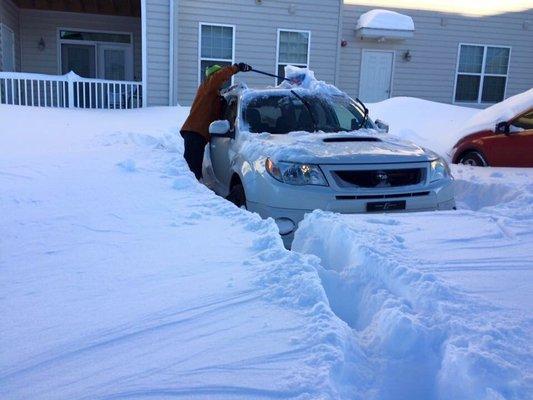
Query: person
x,y
206,108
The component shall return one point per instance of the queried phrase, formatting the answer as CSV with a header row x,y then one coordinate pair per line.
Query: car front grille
x,y
380,178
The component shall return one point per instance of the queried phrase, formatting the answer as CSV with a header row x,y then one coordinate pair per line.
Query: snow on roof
x,y
304,78
503,111
385,19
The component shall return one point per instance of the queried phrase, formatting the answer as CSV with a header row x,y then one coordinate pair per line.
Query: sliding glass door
x,y
94,54
80,58
115,62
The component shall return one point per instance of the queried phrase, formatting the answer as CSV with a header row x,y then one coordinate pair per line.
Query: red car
x,y
509,144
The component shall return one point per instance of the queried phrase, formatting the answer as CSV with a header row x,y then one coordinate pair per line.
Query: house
x,y
132,53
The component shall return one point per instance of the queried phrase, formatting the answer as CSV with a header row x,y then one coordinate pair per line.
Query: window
x,y
216,47
7,47
281,114
93,36
481,73
524,121
347,121
293,49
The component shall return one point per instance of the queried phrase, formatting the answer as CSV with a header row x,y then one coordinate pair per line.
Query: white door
x,y
8,48
115,62
376,75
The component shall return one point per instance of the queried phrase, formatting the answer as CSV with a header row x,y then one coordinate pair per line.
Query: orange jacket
x,y
206,105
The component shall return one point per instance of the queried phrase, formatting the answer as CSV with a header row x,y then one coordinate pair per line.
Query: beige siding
x,y
431,72
35,24
158,49
9,16
256,36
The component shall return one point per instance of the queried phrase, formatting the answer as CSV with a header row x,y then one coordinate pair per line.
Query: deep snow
x,y
122,277
439,126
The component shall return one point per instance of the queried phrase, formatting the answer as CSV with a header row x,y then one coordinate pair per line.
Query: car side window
x,y
525,121
344,116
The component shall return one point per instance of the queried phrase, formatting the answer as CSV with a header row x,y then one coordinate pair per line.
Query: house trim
x,y
393,62
276,67
481,74
200,58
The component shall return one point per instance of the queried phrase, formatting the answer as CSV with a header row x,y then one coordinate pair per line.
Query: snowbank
x,y
435,126
121,276
385,19
495,190
500,112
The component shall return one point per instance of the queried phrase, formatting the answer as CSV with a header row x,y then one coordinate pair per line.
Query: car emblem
x,y
382,176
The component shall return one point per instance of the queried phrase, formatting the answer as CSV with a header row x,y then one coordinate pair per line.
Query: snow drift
x,y
439,126
436,126
122,277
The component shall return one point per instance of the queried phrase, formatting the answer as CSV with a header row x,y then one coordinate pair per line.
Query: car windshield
x,y
296,111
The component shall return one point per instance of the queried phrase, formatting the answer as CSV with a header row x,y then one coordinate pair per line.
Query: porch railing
x,y
68,91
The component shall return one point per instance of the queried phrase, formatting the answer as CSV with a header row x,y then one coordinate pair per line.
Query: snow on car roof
x,y
503,111
303,79
385,19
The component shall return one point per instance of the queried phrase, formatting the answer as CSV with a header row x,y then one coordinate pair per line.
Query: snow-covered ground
x,y
441,302
122,277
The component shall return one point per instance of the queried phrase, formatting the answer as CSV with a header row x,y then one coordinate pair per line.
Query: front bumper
x,y
438,196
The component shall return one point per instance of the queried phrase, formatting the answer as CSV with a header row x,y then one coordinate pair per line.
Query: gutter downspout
x,y
338,44
144,55
171,54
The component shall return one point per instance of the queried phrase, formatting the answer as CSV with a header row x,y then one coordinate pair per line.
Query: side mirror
x,y
382,126
502,127
219,128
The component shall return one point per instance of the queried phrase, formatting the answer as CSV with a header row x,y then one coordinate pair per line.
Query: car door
x,y
220,147
511,149
520,141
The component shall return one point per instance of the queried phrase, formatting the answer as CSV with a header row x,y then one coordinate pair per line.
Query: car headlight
x,y
438,170
296,174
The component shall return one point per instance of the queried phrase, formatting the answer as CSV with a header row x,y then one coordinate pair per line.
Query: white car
x,y
285,152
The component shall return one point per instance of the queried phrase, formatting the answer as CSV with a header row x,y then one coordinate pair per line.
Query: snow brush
x,y
297,80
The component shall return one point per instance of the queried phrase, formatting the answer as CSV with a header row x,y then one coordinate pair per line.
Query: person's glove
x,y
243,67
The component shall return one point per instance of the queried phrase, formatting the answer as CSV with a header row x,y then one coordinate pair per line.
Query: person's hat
x,y
212,69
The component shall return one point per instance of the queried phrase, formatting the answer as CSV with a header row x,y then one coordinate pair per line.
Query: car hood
x,y
360,147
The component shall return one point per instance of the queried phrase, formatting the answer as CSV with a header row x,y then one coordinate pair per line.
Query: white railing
x,y
69,91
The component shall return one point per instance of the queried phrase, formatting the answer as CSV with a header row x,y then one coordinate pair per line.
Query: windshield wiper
x,y
306,104
365,111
